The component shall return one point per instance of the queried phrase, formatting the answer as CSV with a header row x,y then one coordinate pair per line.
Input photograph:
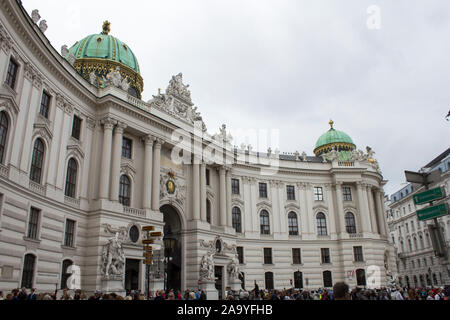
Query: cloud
x,y
292,65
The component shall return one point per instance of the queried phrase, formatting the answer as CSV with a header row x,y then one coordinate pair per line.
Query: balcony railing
x,y
4,171
134,212
72,202
346,164
356,235
138,103
36,187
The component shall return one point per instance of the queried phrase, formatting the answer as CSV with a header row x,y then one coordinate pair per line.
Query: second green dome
x,y
334,139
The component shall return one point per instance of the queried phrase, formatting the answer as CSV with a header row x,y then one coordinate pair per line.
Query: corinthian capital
x,y
159,142
120,127
149,140
109,123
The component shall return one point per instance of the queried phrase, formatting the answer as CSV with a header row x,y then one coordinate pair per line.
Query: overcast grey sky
x,y
291,65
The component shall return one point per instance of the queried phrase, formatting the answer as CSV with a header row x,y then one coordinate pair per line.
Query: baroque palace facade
x,y
85,164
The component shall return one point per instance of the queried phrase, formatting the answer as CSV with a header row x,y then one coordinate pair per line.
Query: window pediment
x,y
76,149
43,129
292,206
9,103
264,204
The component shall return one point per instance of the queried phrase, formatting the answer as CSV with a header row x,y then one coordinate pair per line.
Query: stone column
x,y
372,210
108,125
156,174
309,199
148,164
380,213
195,191
223,197
228,205
340,209
333,213
304,211
363,207
116,161
203,197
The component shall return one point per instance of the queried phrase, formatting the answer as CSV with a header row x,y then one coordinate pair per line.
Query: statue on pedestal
x,y
113,259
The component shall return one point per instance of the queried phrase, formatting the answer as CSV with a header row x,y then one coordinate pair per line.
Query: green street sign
x,y
433,212
428,196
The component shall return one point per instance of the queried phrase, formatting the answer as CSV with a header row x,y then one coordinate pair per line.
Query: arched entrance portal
x,y
172,244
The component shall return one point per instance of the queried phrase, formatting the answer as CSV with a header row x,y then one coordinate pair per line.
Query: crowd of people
x,y
340,291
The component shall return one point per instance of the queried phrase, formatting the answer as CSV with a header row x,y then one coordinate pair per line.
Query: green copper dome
x,y
334,138
102,53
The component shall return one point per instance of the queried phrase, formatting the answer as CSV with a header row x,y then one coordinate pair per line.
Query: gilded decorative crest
x,y
171,187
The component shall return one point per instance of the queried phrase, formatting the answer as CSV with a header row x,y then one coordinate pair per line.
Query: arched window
x,y
208,211
322,225
37,161
71,178
4,125
403,246
429,281
361,277
410,245
269,280
125,191
65,275
298,280
350,223
422,281
28,271
264,222
327,279
237,224
293,224
422,244
415,244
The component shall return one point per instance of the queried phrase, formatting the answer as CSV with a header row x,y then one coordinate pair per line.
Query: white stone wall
x,y
42,67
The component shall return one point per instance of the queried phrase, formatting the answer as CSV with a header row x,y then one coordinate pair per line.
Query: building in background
x,y
85,164
416,260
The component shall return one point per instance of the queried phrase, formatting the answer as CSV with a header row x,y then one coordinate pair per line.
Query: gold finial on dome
x,y
331,123
106,27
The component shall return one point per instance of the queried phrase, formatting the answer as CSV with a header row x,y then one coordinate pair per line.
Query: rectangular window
x,y
267,255
33,224
235,186
263,190
69,235
358,253
347,193
12,74
290,193
208,181
296,256
45,105
76,128
325,255
127,145
318,194
240,252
